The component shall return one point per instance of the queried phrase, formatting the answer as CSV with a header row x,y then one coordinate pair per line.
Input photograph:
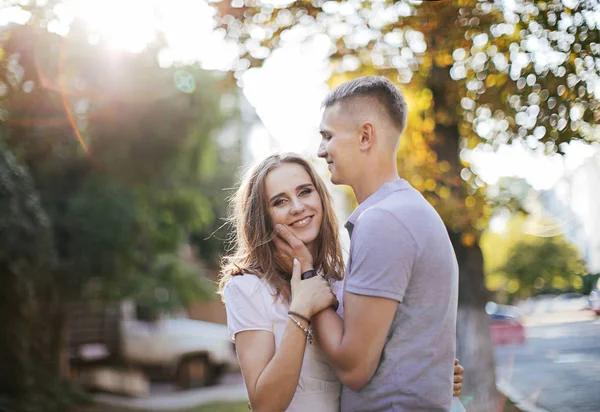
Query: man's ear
x,y
367,136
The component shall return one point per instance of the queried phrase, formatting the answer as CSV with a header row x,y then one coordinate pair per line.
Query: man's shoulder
x,y
400,206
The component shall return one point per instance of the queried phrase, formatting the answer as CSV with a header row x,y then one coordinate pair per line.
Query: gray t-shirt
x,y
400,250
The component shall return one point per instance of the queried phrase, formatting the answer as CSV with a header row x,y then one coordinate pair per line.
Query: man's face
x,y
339,146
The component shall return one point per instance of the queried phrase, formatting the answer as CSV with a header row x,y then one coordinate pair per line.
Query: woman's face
x,y
294,202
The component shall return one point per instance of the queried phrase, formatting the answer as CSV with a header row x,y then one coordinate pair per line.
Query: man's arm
x,y
375,286
353,345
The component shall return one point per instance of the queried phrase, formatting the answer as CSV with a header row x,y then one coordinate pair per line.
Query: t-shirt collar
x,y
380,194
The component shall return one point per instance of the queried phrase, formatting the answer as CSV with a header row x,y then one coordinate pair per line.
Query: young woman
x,y
268,310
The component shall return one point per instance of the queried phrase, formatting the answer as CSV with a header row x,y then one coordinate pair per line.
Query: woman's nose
x,y
296,206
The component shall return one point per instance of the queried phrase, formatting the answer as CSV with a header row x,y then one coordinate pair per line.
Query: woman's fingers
x,y
457,389
311,295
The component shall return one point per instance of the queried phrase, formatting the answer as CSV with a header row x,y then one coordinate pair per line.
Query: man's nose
x,y
322,151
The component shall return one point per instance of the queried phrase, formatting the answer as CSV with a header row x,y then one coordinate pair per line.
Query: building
x,y
574,201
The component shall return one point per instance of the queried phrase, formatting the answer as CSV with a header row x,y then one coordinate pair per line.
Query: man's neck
x,y
372,182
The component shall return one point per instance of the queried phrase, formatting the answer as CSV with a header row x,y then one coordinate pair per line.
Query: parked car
x,y
111,343
505,326
544,303
569,302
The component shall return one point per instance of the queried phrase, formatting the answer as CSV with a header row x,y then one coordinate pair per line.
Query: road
x,y
558,369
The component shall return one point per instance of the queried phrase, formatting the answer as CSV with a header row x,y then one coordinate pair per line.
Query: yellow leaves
x,y
445,166
559,282
495,281
470,202
424,104
468,239
491,80
472,142
420,156
576,282
443,117
465,128
444,192
430,185
428,125
339,78
426,94
487,210
432,157
417,182
416,137
443,60
513,286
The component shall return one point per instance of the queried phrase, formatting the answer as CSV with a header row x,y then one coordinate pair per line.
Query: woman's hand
x,y
290,246
309,296
459,375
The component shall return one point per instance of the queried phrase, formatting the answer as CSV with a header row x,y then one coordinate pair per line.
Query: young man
x,y
394,348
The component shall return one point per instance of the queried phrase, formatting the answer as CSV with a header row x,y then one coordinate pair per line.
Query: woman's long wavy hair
x,y
251,244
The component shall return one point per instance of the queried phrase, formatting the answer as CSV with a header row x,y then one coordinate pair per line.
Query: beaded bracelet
x,y
306,331
296,314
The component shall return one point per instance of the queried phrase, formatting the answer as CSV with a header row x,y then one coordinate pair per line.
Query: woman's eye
x,y
278,202
305,192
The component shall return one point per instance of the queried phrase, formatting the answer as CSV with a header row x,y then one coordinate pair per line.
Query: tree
x,y
107,162
550,263
478,74
26,256
514,259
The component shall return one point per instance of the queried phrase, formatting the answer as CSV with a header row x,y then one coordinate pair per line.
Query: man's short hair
x,y
377,87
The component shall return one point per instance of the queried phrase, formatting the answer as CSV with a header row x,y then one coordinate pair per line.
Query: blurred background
x,y
126,125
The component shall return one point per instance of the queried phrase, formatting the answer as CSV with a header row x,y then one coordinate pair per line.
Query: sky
x,y
286,92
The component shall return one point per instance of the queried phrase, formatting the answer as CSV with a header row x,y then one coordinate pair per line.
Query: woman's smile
x,y
302,222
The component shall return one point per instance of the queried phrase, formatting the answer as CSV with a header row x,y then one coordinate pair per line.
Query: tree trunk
x,y
50,348
474,347
16,368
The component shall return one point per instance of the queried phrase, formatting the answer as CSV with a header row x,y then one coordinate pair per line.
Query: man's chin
x,y
335,180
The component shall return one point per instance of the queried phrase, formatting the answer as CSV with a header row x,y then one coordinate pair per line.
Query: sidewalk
x,y
164,399
177,400
550,318
515,397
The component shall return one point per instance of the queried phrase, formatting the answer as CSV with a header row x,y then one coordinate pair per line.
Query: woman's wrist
x,y
299,316
306,265
301,310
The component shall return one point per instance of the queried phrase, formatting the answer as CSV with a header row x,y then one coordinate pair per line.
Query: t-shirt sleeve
x,y
383,253
245,305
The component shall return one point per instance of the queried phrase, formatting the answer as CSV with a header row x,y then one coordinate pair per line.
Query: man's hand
x,y
310,296
459,375
288,244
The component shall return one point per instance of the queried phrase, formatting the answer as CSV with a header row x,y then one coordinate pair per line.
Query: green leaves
x,y
154,174
548,263
24,225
